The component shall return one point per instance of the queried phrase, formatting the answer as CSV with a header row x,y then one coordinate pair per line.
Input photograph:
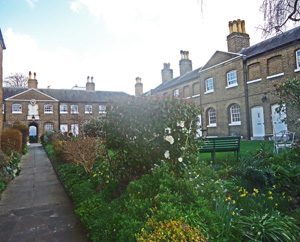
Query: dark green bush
x,y
11,140
144,131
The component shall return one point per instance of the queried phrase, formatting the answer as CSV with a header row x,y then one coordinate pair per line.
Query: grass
x,y
248,148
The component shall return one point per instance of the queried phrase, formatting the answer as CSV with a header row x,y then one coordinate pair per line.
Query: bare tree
x,y
16,80
277,14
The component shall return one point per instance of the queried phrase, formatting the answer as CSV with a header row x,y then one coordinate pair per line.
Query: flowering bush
x,y
143,131
170,230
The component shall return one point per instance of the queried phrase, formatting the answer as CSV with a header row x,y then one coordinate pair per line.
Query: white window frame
x,y
232,79
209,85
298,59
48,108
63,108
74,109
63,128
88,109
74,129
16,108
235,115
176,93
48,126
3,108
102,109
212,117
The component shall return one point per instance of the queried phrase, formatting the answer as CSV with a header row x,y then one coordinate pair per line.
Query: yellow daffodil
x,y
94,175
243,195
271,198
274,186
233,201
107,181
233,213
255,190
270,192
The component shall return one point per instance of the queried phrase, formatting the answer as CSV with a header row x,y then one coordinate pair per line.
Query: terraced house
x,y
234,87
54,109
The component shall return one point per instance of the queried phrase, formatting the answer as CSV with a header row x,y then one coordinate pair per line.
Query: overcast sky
x,y
64,41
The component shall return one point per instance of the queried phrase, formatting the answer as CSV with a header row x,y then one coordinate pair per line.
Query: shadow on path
x,y
35,206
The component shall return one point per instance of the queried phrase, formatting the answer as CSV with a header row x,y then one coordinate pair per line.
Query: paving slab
x,y
35,206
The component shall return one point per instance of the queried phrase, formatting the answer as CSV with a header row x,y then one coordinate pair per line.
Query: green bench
x,y
220,144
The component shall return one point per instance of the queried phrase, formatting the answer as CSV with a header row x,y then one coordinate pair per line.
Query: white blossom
x,y
167,154
180,124
180,159
170,139
168,130
182,148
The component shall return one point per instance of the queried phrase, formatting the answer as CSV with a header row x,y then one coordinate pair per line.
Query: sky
x,y
115,41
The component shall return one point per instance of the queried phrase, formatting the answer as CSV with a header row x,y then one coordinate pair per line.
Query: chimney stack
x,y
90,86
138,87
237,38
166,73
185,64
32,83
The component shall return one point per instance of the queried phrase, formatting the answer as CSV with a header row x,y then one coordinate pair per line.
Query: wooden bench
x,y
220,144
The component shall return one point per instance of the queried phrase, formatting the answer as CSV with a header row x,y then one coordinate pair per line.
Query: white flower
x,y
155,135
168,130
170,139
182,148
167,154
180,124
191,179
180,159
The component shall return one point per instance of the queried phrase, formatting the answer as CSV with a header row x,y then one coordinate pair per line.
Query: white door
x,y
199,127
258,124
277,118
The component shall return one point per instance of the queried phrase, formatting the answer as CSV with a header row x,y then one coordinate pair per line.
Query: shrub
x,y
83,151
143,131
24,129
11,140
93,127
170,230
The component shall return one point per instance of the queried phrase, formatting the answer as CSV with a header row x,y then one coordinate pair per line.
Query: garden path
x,y
35,206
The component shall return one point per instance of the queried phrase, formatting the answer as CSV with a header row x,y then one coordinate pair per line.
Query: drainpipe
x,y
58,116
246,98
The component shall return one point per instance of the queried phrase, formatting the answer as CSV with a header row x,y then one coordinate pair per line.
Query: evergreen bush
x,y
11,140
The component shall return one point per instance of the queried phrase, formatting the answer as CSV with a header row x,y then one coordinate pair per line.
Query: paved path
x,y
35,207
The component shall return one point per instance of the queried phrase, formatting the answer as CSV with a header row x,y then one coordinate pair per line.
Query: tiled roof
x,y
2,41
178,80
68,95
272,43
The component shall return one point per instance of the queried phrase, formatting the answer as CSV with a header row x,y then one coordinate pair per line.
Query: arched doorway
x,y
33,132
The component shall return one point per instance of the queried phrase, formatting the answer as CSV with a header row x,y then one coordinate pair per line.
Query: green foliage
x,y
143,131
93,127
170,230
289,96
11,140
48,137
268,226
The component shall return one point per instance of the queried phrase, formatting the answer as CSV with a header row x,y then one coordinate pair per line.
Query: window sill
x,y
210,91
48,112
63,112
253,81
185,98
74,113
276,75
233,85
197,95
211,125
88,113
297,70
16,112
235,124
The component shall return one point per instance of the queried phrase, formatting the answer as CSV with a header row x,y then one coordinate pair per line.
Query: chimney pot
x,y
29,74
34,76
92,79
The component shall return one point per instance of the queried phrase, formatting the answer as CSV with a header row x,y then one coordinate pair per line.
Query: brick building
x,y
234,87
54,109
